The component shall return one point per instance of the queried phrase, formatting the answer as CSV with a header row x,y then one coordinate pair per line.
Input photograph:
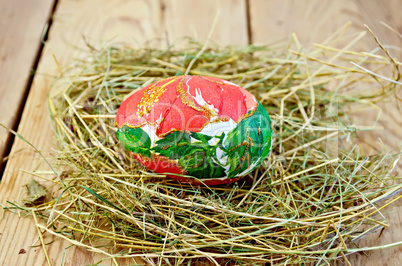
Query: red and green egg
x,y
195,129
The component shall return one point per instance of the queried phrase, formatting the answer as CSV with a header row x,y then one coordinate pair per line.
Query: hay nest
x,y
309,202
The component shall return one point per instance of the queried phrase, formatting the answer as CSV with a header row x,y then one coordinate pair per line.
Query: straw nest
x,y
309,202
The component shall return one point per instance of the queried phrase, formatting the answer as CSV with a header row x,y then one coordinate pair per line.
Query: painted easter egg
x,y
195,129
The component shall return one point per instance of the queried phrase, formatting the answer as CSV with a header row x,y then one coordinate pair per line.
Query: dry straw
x,y
310,202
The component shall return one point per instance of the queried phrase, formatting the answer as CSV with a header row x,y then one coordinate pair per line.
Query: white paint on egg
x,y
216,129
230,83
188,86
151,131
213,141
222,158
248,170
201,101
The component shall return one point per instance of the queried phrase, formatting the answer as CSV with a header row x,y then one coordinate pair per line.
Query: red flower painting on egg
x,y
196,129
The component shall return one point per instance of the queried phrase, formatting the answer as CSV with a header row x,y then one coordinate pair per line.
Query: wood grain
x,y
20,42
313,21
186,18
100,21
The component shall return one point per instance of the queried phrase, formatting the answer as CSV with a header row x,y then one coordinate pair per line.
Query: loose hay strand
x,y
310,201
41,239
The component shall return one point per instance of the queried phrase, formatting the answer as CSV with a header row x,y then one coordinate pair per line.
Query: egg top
x,y
205,127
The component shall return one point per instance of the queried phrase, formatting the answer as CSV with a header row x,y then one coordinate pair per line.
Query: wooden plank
x,y
20,43
130,22
314,21
195,20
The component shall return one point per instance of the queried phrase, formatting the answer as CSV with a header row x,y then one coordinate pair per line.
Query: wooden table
x,y
26,67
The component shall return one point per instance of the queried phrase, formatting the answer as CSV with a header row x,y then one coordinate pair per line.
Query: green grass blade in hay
x,y
103,199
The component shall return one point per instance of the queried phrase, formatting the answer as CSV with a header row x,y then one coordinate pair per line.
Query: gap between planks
x,y
17,119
